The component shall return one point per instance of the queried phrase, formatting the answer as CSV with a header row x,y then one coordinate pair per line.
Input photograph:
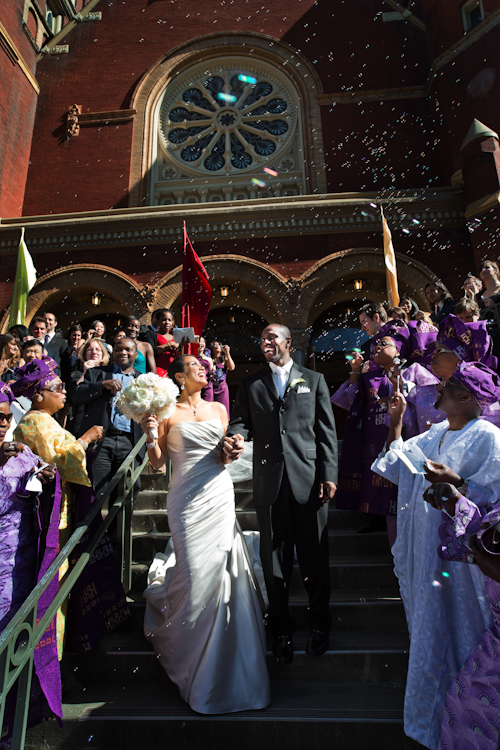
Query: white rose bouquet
x,y
146,396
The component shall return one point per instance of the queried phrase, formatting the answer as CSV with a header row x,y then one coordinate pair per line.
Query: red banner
x,y
196,289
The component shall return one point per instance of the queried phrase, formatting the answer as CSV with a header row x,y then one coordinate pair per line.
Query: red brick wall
x,y
17,113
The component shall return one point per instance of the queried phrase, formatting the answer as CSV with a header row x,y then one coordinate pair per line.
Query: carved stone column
x,y
300,344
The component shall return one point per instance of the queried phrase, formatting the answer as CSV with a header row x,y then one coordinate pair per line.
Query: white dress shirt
x,y
281,375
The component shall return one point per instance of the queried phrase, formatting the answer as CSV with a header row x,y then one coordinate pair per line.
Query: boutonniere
x,y
296,381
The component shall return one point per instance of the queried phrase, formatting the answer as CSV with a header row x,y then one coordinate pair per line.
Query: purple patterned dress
x,y
221,391
207,393
471,718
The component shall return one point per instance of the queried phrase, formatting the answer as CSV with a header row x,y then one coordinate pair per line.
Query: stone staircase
x,y
118,697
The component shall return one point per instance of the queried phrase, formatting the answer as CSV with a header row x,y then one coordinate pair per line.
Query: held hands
x,y
436,473
442,494
149,423
233,447
113,386
327,491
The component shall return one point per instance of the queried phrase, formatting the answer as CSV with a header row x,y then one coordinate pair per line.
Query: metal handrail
x,y
18,640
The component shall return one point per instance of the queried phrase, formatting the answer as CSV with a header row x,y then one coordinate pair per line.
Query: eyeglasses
x,y
58,388
5,418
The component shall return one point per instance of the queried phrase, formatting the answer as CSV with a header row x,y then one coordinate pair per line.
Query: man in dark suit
x,y
54,344
149,333
98,393
440,301
286,409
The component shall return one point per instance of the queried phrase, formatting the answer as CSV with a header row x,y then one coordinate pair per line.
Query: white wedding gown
x,y
203,616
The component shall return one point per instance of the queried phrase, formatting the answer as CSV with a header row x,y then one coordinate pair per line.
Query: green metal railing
x,y
18,640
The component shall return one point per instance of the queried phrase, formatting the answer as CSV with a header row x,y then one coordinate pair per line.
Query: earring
x,y
39,397
182,386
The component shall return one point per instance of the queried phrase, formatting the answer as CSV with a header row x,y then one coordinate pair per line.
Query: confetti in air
x,y
226,97
270,171
247,79
258,182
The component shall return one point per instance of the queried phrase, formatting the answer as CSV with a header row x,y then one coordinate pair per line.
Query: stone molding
x,y
297,215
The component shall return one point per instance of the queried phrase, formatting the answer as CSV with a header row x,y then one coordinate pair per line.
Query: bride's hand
x,y
149,423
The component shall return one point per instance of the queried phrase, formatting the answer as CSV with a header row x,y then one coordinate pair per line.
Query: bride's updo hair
x,y
177,366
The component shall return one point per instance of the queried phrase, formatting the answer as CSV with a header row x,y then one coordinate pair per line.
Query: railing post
x,y
128,511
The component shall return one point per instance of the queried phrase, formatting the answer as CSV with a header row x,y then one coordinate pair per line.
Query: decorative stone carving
x,y
148,295
293,290
72,123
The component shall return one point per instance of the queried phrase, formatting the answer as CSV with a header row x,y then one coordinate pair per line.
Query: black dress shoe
x,y
317,643
283,649
372,523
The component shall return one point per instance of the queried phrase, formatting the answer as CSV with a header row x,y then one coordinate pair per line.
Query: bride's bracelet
x,y
151,445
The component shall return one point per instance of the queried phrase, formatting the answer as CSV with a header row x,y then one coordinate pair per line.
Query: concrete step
x,y
311,714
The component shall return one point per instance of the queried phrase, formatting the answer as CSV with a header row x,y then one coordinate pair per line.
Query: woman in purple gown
x,y
223,363
469,535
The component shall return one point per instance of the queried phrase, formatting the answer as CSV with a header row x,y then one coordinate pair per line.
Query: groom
x,y
287,412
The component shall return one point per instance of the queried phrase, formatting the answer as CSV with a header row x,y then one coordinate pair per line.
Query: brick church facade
x,y
120,120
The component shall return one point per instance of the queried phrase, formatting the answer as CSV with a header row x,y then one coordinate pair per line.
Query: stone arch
x,y
51,288
348,264
146,99
268,286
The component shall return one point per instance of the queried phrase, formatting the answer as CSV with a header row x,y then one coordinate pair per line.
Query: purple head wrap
x,y
414,341
34,376
470,342
6,393
482,383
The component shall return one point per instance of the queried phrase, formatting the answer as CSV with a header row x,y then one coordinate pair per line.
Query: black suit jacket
x,y
55,348
446,310
297,433
149,336
98,403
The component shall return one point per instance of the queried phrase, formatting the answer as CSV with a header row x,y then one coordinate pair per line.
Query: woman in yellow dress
x,y
39,431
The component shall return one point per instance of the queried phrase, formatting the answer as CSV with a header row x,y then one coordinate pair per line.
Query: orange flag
x,y
391,273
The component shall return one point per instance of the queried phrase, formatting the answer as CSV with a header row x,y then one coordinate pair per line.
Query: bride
x,y
203,616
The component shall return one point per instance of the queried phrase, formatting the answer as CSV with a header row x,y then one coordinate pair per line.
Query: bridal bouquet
x,y
146,396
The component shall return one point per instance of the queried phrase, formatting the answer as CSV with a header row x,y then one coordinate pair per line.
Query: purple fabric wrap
x,y
415,341
364,436
34,376
6,393
471,717
481,382
471,342
207,392
98,603
220,389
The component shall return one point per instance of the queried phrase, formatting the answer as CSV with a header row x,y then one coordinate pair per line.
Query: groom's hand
x,y
327,491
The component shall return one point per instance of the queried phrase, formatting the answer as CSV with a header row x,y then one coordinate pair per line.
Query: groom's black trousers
x,y
284,525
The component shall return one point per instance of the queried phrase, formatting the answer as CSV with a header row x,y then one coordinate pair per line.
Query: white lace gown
x,y
203,616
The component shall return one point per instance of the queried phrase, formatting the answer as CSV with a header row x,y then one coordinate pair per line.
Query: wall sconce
x,y
348,312
224,291
358,285
96,299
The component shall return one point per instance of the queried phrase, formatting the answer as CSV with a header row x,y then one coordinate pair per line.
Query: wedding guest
x,y
21,332
399,313
372,317
145,361
463,451
467,310
409,306
469,534
92,354
166,348
10,354
39,431
421,315
207,392
98,331
150,333
98,393
31,349
54,344
440,301
119,334
472,286
70,357
38,328
223,363
490,276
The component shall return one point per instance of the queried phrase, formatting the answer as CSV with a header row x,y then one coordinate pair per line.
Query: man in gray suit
x,y
286,410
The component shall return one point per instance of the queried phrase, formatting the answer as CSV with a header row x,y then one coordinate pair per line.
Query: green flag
x,y
25,280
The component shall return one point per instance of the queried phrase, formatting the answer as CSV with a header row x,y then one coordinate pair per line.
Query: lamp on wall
x,y
358,285
96,299
224,291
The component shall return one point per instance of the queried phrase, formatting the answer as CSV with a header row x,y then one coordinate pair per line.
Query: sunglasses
x,y
58,388
5,418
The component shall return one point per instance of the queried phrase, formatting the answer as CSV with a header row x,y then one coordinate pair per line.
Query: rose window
x,y
227,121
